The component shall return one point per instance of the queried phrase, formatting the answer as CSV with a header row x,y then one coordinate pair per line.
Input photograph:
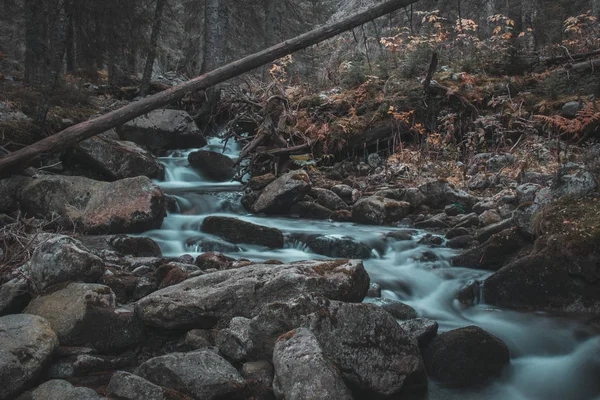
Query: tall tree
x,y
156,26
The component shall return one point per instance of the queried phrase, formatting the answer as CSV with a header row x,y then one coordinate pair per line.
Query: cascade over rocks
x,y
237,231
26,345
203,300
215,166
281,194
116,159
163,129
336,247
128,205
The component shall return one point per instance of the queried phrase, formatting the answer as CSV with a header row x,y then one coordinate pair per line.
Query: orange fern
x,y
586,121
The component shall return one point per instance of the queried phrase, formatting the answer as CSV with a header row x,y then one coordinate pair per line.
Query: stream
x,y
551,357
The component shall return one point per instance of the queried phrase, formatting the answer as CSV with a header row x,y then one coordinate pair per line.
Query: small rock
x,y
308,209
336,247
14,296
342,216
198,339
570,109
453,210
432,223
135,246
374,160
260,182
461,242
328,199
527,192
431,240
397,309
402,235
213,260
374,290
260,371
127,386
280,195
377,210
489,217
57,389
215,166
455,232
423,330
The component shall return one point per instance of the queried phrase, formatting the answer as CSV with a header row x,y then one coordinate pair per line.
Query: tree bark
x,y
24,157
156,26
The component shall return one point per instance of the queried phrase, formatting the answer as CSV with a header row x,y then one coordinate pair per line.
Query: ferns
x,y
578,128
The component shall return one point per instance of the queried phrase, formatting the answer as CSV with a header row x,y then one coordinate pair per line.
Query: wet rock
x,y
402,235
26,345
470,293
439,194
280,195
431,240
328,199
60,258
213,260
570,109
303,371
11,188
494,253
200,374
215,166
339,247
203,300
377,210
123,284
461,242
453,210
426,256
259,371
127,386
342,216
260,182
374,355
171,129
483,234
374,290
423,330
466,221
85,314
128,205
414,197
489,217
455,232
308,209
397,309
57,389
117,159
432,223
198,339
170,274
346,193
237,231
135,246
14,296
465,357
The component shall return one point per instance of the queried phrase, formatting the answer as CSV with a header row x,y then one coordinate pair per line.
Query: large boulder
x,y
465,357
377,210
373,353
281,194
215,166
26,345
171,129
57,389
127,386
127,205
303,371
496,252
60,258
85,314
117,159
237,231
203,300
203,374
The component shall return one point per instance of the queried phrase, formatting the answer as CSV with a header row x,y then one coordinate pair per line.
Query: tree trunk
x,y
211,35
24,157
70,37
35,42
145,84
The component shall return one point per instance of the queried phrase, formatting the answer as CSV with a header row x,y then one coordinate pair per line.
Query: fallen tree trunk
x,y
25,157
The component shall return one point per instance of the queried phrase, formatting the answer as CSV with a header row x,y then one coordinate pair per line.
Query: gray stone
x,y
461,242
438,194
489,217
137,246
527,192
14,296
573,180
336,247
85,314
374,290
497,162
234,341
423,330
59,258
127,386
198,339
57,389
215,166
570,109
536,178
397,309
127,205
280,195
237,231
118,159
486,232
203,300
376,210
173,129
328,199
203,374
303,371
26,345
374,160
11,188
259,371
308,209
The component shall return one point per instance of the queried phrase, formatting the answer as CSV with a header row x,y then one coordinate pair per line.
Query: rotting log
x,y
24,157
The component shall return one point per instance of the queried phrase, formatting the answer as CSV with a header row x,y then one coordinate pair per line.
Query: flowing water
x,y
551,358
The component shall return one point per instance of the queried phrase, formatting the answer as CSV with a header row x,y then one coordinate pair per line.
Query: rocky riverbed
x,y
162,279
